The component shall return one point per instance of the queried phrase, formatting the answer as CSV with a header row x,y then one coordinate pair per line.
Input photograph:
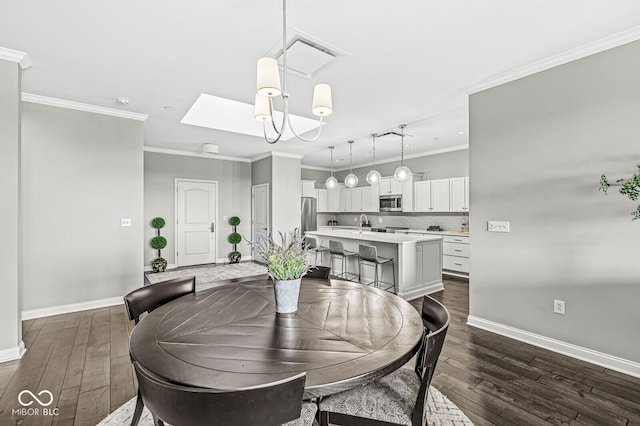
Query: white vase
x,y
287,293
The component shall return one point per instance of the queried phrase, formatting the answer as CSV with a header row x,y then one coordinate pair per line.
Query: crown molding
x,y
276,154
195,154
62,103
20,58
579,52
394,159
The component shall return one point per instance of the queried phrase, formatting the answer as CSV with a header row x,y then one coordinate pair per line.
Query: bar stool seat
x,y
311,243
368,255
336,249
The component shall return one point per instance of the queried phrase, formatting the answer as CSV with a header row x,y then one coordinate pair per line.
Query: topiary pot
x,y
159,264
234,257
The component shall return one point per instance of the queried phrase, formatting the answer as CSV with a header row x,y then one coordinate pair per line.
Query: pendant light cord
x,y
350,157
373,135
402,126
332,147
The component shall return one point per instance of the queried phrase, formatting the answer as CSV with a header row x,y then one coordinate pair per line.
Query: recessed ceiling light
x,y
461,133
167,107
122,101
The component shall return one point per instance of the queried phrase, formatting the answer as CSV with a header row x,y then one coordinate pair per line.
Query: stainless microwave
x,y
391,203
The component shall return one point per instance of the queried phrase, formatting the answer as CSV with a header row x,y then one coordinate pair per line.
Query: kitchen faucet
x,y
366,220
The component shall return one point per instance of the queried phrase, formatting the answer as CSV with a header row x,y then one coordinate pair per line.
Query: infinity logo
x,y
35,398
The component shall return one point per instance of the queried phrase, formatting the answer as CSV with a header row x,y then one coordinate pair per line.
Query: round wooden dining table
x,y
343,335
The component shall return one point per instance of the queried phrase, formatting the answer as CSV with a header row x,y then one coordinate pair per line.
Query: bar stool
x,y
312,245
336,249
369,256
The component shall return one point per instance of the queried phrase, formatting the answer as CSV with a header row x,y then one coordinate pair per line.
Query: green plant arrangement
x,y
158,242
629,187
235,238
287,263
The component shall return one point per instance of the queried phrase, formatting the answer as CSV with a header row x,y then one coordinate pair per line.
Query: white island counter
x,y
417,258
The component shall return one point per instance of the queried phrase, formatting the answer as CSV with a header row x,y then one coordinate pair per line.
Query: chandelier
x,y
268,87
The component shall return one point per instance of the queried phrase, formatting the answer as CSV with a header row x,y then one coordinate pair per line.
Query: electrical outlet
x,y
496,226
379,220
125,222
558,307
355,219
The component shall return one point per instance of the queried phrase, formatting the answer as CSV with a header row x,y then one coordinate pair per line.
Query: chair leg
x,y
324,418
138,411
393,271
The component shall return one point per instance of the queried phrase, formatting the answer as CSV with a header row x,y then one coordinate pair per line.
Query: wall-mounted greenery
x,y
235,238
158,242
629,187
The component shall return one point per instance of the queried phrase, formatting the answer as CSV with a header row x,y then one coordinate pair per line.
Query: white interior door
x,y
259,212
196,212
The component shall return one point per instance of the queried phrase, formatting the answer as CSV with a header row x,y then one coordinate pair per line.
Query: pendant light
x,y
351,180
402,173
373,177
331,182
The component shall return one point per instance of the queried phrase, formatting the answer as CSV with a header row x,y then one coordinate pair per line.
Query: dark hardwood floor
x,y
82,358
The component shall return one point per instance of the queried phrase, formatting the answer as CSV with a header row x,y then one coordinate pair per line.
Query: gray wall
x,y
318,175
10,325
538,147
234,198
81,173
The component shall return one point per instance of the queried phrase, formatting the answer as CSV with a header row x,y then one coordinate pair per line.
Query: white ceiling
x,y
409,61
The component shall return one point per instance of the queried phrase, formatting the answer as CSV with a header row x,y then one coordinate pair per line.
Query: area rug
x,y
207,276
440,411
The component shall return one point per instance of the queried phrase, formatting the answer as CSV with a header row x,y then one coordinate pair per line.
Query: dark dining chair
x,y
148,298
400,397
272,404
321,272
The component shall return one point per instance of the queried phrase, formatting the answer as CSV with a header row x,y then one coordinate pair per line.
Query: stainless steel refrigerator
x,y
309,215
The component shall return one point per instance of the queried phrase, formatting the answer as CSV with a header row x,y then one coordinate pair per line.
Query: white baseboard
x,y
604,360
72,307
174,266
12,353
226,259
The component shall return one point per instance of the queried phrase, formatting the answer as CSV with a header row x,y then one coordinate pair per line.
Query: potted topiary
x,y
158,242
235,239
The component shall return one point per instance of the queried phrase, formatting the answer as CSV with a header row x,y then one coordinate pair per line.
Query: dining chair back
x,y
321,272
148,298
435,318
269,405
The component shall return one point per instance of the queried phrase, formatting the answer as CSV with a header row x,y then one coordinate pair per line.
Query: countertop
x,y
400,232
379,237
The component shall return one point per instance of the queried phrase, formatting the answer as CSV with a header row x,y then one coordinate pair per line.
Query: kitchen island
x,y
417,258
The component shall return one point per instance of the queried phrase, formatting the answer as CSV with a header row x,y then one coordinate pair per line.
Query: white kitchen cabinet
x,y
342,205
432,195
333,199
440,194
407,195
322,197
371,198
455,255
459,191
348,200
390,186
356,200
308,188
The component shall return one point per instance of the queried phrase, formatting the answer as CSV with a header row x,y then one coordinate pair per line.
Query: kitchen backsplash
x,y
448,222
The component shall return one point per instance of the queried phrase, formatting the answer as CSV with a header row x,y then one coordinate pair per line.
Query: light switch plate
x,y
497,226
125,222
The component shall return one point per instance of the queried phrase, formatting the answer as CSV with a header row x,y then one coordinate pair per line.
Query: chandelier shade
x,y
322,104
268,83
373,177
262,108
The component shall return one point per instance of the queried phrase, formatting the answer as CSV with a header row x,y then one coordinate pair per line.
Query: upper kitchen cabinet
x,y
333,199
371,198
390,186
459,189
322,196
355,196
308,187
432,196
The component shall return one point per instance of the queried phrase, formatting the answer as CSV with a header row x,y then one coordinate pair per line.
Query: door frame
x,y
253,213
175,215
